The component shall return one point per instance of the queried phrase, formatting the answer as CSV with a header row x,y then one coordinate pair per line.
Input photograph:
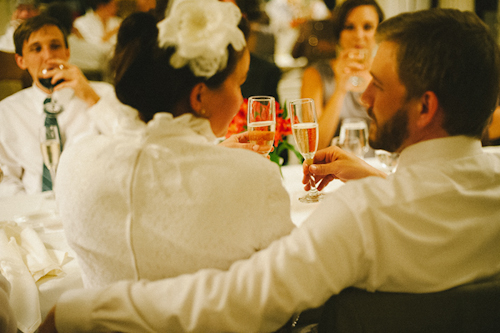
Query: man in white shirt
x,y
41,43
432,225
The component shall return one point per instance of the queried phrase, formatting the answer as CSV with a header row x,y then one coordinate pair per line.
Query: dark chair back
x,y
12,78
473,307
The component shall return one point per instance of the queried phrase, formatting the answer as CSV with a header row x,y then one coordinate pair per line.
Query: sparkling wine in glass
x,y
261,121
50,145
305,132
354,136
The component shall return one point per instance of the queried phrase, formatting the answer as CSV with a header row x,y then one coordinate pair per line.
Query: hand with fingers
x,y
334,163
241,140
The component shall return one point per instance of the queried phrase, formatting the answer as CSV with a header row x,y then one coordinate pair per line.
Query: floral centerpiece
x,y
283,128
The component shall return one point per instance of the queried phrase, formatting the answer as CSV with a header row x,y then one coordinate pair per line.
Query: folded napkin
x,y
8,322
23,261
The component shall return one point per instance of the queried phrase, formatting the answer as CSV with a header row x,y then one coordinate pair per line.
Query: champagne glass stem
x,y
312,183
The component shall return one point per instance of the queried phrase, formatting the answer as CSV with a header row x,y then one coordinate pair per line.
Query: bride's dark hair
x,y
144,78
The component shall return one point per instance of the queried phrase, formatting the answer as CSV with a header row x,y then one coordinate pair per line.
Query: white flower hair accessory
x,y
201,31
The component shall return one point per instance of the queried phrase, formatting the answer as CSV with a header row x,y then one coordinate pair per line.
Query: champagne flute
x,y
360,56
354,136
50,145
261,122
305,132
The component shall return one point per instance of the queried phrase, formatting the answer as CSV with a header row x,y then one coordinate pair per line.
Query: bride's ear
x,y
195,98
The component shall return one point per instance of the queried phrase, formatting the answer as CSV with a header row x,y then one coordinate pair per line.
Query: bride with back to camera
x,y
162,199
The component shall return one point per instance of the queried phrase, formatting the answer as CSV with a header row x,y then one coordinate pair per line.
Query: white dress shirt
x,y
92,29
164,200
432,225
22,116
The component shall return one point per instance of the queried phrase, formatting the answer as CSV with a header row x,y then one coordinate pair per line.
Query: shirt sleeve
x,y
109,114
12,173
297,272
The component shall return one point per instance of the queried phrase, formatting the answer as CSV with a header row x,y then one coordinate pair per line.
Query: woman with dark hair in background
x,y
328,81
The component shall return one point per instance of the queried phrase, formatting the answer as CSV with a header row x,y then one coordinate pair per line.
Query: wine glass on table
x,y
261,122
354,136
305,132
50,144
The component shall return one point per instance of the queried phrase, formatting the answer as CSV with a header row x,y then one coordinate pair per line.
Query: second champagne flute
x,y
50,145
261,121
305,131
361,56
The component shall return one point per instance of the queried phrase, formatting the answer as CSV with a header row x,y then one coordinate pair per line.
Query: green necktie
x,y
50,119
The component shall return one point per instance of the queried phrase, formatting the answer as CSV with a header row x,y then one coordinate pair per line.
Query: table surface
x,y
39,212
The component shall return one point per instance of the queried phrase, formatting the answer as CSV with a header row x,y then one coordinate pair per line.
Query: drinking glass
x,y
361,56
388,160
353,136
305,132
261,121
47,81
51,106
50,145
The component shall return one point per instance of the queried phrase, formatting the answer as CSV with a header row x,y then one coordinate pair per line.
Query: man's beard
x,y
391,135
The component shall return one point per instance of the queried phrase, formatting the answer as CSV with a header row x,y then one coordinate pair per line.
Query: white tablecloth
x,y
38,211
292,181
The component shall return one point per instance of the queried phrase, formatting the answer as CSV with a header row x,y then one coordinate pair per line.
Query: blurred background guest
x,y
163,199
263,75
100,24
127,7
24,10
328,81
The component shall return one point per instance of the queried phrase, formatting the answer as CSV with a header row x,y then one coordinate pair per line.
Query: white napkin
x,y
24,293
23,261
39,260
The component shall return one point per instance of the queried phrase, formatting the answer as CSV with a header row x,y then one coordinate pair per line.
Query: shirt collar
x,y
38,97
61,96
448,148
164,124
